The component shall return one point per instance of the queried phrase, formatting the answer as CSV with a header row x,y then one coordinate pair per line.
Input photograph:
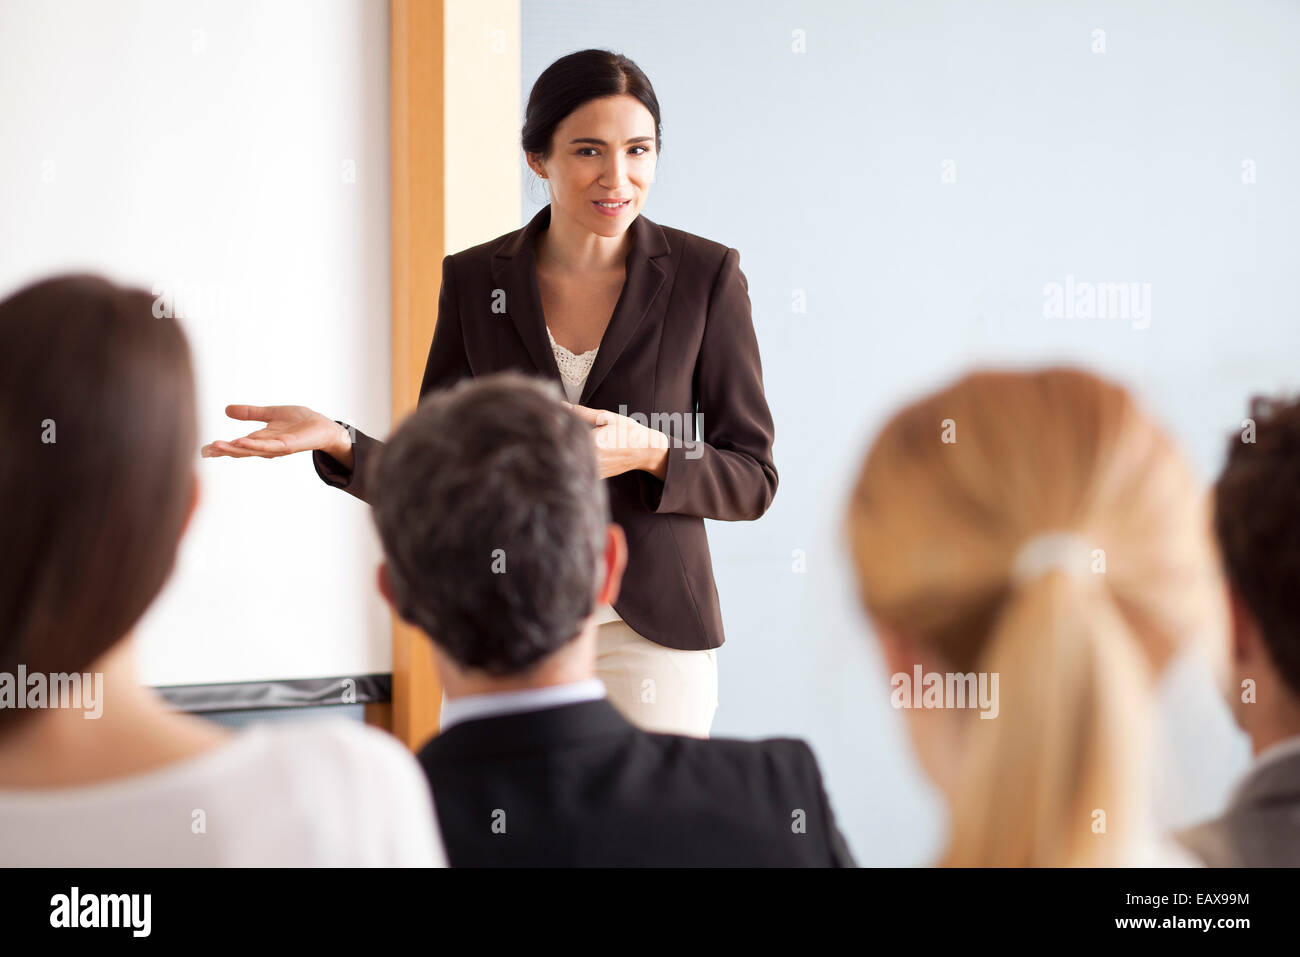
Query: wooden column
x,y
456,167
418,228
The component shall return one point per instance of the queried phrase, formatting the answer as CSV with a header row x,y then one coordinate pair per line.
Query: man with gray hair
x,y
497,543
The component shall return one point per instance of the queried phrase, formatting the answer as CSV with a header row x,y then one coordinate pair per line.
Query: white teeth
x,y
612,205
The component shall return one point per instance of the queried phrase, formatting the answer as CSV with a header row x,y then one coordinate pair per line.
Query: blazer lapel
x,y
514,269
645,277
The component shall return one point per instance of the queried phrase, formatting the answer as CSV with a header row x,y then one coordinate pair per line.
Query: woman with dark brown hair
x,y
98,485
648,330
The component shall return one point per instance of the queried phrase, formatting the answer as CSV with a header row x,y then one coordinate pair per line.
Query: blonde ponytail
x,y
1054,778
937,530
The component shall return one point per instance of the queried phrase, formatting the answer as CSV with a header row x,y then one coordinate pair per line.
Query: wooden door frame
x,y
454,102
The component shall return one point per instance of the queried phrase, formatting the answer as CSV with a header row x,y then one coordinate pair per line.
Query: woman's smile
x,y
611,208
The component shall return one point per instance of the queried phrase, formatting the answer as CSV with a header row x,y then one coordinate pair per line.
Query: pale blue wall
x,y
824,170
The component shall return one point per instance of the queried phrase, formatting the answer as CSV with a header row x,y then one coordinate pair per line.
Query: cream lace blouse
x,y
574,369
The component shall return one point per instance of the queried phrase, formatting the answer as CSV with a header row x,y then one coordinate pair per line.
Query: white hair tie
x,y
1050,551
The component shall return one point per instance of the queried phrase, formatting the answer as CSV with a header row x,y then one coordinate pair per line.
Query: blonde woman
x,y
1036,530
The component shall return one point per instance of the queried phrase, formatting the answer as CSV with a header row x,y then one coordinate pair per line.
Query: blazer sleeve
x,y
447,363
729,475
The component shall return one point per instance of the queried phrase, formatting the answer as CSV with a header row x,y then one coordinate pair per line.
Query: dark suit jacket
x,y
580,786
1261,826
680,338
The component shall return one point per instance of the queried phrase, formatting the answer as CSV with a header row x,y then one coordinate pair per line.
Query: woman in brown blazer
x,y
645,327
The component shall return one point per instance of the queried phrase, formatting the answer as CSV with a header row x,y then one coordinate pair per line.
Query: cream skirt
x,y
657,688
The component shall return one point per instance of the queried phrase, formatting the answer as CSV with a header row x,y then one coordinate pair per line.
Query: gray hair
x,y
492,515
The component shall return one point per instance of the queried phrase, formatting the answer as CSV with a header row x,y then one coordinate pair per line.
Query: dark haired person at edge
x,y
1257,524
97,407
640,323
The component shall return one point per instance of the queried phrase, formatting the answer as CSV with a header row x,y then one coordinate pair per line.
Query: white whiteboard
x,y
233,155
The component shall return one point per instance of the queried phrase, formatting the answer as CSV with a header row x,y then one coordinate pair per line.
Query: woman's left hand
x,y
624,444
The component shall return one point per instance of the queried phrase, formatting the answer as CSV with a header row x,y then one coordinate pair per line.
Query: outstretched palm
x,y
289,429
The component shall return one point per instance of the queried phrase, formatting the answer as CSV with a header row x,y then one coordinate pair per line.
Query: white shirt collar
x,y
476,706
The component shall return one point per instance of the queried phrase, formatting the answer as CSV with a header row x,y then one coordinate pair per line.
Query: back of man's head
x,y
1257,522
493,520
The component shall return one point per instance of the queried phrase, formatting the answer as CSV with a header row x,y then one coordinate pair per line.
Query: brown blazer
x,y
681,338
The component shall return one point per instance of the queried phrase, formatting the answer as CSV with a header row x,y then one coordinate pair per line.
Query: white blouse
x,y
331,793
574,369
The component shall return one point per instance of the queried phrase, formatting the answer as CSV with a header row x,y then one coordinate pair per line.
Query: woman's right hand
x,y
289,429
